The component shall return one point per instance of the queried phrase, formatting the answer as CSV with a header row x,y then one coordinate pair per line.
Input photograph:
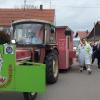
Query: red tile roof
x,y
82,34
7,15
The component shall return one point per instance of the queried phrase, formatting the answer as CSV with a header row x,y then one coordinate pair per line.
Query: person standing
x,y
94,54
85,55
98,53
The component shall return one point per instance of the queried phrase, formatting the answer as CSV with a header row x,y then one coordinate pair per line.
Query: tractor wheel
x,y
51,67
29,96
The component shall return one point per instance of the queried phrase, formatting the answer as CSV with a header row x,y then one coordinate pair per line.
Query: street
x,y
72,85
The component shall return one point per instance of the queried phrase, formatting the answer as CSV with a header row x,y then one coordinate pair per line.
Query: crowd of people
x,y
87,52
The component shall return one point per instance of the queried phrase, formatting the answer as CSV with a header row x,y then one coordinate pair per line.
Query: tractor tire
x,y
29,96
52,71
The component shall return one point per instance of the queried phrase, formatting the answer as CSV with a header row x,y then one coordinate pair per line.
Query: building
x,y
95,33
9,15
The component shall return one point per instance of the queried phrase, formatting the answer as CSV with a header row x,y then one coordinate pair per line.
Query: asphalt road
x,y
72,85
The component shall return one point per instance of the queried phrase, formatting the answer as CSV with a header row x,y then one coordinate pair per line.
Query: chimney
x,y
41,7
87,31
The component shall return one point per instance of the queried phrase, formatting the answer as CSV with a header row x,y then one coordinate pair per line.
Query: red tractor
x,y
36,41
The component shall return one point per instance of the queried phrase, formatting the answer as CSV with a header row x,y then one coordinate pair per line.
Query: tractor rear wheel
x,y
51,67
29,96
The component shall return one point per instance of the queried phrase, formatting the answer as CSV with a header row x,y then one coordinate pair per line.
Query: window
x,y
28,33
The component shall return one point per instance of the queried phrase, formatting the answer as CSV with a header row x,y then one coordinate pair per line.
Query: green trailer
x,y
26,77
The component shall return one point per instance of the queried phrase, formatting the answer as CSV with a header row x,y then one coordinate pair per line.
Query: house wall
x,y
9,15
95,32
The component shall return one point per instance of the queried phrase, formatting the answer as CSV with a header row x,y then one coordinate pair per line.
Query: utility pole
x,y
94,32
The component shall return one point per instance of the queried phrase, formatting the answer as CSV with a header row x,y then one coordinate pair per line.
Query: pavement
x,y
75,85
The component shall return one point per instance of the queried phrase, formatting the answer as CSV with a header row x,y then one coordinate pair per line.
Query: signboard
x,y
26,77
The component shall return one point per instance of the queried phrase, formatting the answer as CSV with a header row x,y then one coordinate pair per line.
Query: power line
x,y
69,6
82,7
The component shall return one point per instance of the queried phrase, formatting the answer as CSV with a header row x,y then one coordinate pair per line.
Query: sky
x,y
79,15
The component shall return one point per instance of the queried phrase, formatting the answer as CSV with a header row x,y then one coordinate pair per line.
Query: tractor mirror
x,y
67,32
52,30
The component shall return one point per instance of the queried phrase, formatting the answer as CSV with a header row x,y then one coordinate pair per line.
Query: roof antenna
x,y
24,4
